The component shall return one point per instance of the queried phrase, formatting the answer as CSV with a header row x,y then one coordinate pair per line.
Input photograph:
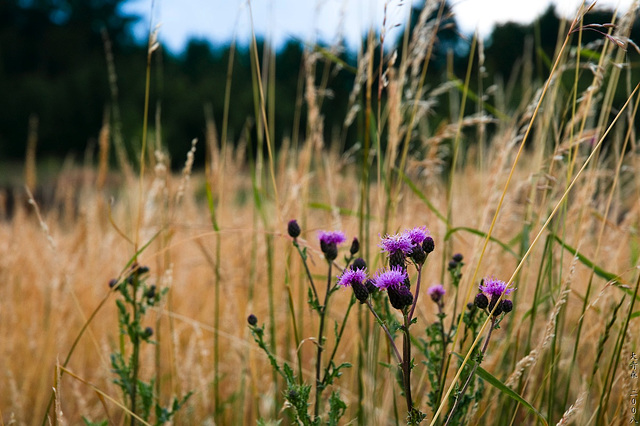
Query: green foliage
x,y
137,297
297,394
88,422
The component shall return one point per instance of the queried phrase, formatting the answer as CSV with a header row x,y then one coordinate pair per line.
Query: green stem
x,y
306,268
340,333
444,351
406,363
323,311
135,339
386,330
473,371
415,297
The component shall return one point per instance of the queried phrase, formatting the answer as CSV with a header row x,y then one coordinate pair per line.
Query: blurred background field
x,y
452,141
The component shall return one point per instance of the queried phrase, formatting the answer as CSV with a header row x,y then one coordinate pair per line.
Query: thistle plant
x,y
491,301
410,247
435,345
405,251
136,298
406,254
298,394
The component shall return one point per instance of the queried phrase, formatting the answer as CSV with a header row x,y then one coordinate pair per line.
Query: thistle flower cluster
x,y
409,247
491,290
415,244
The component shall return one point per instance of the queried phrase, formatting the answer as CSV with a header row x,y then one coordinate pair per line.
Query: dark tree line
x,y
53,66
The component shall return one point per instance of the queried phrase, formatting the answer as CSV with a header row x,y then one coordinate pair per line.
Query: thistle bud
x,y
355,246
397,258
428,245
371,287
330,250
252,320
481,301
293,228
498,309
418,255
360,290
507,306
151,293
400,296
359,263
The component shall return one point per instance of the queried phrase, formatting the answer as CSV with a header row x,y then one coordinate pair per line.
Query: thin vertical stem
x,y
323,311
415,298
473,371
406,363
386,330
136,348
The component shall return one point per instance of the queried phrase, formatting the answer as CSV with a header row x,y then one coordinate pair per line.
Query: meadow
x,y
542,196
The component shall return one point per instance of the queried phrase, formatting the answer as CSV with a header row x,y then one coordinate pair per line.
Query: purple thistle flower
x,y
390,277
351,276
329,243
494,288
436,292
331,237
417,235
396,243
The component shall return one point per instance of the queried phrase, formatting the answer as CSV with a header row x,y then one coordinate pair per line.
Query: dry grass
x,y
51,287
54,267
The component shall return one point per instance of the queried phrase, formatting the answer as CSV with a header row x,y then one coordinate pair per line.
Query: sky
x,y
221,21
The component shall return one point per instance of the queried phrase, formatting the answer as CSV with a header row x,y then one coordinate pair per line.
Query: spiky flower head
x,y
396,243
436,292
408,243
349,276
329,241
494,288
332,237
355,278
395,276
417,235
